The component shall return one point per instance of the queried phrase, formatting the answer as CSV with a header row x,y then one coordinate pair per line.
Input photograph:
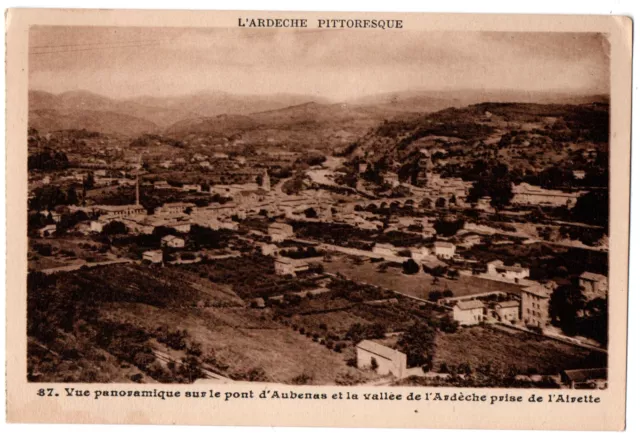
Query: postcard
x,y
317,219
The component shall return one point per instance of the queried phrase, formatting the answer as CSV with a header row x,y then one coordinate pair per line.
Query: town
x,y
464,247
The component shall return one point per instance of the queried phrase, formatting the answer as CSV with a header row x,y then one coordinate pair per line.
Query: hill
x,y
222,125
529,137
214,103
47,120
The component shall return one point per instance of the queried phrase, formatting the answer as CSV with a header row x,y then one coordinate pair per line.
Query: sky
x,y
339,65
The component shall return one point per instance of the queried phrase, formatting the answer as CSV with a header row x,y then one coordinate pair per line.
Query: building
x,y
174,208
382,359
593,285
287,266
153,256
470,240
385,251
172,241
526,194
512,273
96,226
535,305
279,231
269,250
120,210
468,312
588,378
161,185
444,250
190,187
46,231
508,311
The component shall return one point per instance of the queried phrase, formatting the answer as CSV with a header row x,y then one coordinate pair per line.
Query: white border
x,y
101,433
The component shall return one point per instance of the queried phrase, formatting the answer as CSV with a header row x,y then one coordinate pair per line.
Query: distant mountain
x,y
222,125
314,113
87,101
430,101
214,103
47,120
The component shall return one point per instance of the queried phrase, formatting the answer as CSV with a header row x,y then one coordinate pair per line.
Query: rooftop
x,y
587,275
538,290
586,374
508,304
379,349
470,305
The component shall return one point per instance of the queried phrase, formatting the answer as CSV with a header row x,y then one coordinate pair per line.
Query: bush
x,y
410,267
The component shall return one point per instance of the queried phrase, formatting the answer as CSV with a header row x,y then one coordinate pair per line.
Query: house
x,y
512,273
508,311
471,239
258,303
420,254
593,285
279,231
269,249
444,250
153,256
192,187
588,378
166,164
468,312
386,251
96,226
161,185
287,266
172,241
384,360
535,305
46,231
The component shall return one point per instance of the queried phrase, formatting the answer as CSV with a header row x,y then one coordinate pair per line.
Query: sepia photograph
x,y
265,206
316,206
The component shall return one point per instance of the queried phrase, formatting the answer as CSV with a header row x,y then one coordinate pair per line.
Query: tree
x,y
496,183
447,227
417,342
410,267
114,227
311,213
565,304
592,208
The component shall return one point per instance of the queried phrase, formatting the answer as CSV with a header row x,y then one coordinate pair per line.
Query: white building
x,y
120,210
513,273
469,312
444,250
280,231
287,266
593,285
508,311
96,226
382,359
153,256
47,231
172,242
535,304
385,251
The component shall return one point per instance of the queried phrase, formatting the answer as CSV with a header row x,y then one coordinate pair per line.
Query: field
x,y
112,333
418,285
480,346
